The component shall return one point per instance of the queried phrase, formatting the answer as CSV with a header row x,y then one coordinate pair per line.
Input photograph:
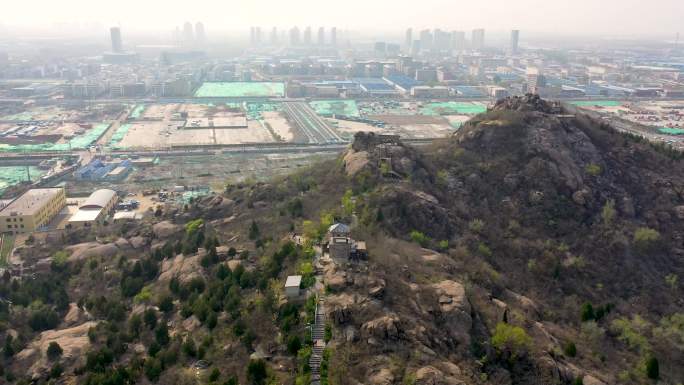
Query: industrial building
x,y
98,170
95,209
32,211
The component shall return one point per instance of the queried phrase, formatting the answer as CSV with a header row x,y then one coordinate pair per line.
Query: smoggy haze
x,y
629,18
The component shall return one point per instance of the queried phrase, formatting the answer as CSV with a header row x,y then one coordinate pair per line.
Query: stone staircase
x,y
318,338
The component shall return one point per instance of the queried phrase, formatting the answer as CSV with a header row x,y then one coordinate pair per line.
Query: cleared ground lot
x,y
164,135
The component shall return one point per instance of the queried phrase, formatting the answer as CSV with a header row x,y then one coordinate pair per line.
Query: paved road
x,y
316,129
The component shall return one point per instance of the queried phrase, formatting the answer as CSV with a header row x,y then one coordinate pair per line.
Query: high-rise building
x,y
199,33
274,36
257,35
333,36
321,36
478,39
426,39
415,48
294,36
307,36
535,80
252,36
515,37
115,33
188,35
408,40
441,40
458,41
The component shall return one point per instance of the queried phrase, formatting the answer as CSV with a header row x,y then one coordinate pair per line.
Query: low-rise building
x,y
32,211
436,92
95,209
292,285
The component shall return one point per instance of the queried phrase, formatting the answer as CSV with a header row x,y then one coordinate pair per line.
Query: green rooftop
x,y
335,107
453,108
241,90
11,175
671,131
597,103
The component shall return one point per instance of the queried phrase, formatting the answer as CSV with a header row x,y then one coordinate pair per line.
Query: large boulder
x,y
165,229
185,268
86,250
455,310
339,308
74,342
388,327
430,375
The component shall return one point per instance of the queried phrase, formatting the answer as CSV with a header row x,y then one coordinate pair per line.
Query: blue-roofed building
x,y
98,170
402,83
376,87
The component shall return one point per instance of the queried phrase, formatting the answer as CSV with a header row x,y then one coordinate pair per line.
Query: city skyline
x,y
580,18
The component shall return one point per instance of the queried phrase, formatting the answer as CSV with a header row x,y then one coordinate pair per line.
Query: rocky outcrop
x,y
83,251
340,308
454,310
381,377
430,375
73,341
165,229
185,268
355,161
384,328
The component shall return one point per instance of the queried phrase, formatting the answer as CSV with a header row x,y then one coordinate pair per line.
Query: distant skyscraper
x,y
257,35
252,36
535,80
307,36
274,36
321,36
442,40
515,37
408,40
188,35
415,47
199,33
333,36
115,33
478,39
294,36
426,40
458,40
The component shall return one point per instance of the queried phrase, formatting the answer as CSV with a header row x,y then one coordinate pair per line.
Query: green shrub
x,y
214,375
593,169
512,339
420,238
652,368
294,343
476,225
54,351
570,349
608,212
256,372
645,239
587,312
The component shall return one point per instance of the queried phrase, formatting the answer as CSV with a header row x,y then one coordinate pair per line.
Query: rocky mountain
x,y
531,247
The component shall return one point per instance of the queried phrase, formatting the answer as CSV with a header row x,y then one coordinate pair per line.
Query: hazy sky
x,y
567,17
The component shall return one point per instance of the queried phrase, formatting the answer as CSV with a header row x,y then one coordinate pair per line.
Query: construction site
x,y
227,133
657,120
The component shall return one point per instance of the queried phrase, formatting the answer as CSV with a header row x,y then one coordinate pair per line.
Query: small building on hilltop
x,y
341,246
